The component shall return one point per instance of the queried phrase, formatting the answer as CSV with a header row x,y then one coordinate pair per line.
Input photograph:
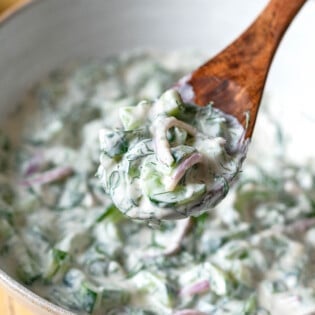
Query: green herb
x,y
87,297
58,261
112,214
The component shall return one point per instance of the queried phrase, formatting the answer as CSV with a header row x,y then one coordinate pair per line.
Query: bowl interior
x,y
47,34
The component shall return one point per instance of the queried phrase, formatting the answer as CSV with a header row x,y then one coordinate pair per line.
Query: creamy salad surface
x,y
66,240
170,159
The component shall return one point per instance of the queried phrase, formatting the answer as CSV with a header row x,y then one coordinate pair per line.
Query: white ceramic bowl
x,y
43,35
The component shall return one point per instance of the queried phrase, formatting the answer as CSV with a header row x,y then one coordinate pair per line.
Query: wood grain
x,y
4,4
8,8
4,303
9,306
235,78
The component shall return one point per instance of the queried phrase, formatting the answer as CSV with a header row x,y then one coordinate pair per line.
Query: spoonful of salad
x,y
176,157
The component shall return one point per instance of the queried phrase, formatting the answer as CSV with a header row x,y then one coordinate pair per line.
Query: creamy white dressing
x,y
61,236
169,159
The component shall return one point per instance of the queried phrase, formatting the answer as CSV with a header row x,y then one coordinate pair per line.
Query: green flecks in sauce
x,y
169,159
62,237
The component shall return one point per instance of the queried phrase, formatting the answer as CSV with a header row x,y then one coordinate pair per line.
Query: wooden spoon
x,y
234,79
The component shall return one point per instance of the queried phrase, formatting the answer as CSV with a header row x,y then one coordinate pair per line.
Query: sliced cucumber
x,y
180,196
6,232
154,188
111,214
133,117
57,262
112,298
149,283
81,300
169,103
220,281
114,143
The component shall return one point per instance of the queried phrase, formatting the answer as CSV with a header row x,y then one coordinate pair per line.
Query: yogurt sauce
x,y
170,159
63,238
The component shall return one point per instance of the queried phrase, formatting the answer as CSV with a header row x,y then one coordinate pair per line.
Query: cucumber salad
x,y
169,159
66,240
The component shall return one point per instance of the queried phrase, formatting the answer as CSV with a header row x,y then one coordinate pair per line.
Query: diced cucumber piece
x,y
242,273
176,136
111,214
211,123
112,298
220,282
181,152
133,117
73,278
80,300
155,190
6,193
27,274
57,262
6,231
180,196
73,193
87,297
150,284
114,143
75,242
27,270
4,142
107,237
6,211
250,306
169,103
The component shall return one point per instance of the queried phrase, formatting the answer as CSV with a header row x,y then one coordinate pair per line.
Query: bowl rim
x,y
7,282
29,298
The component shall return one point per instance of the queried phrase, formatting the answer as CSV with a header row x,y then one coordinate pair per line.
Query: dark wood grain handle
x,y
265,34
276,17
235,78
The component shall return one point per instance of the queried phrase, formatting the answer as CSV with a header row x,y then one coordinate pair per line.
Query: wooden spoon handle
x,y
235,78
267,30
260,41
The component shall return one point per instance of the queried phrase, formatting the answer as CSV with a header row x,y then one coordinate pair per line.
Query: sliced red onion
x,y
50,176
159,130
182,227
290,299
173,122
189,312
196,288
182,168
300,226
34,164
